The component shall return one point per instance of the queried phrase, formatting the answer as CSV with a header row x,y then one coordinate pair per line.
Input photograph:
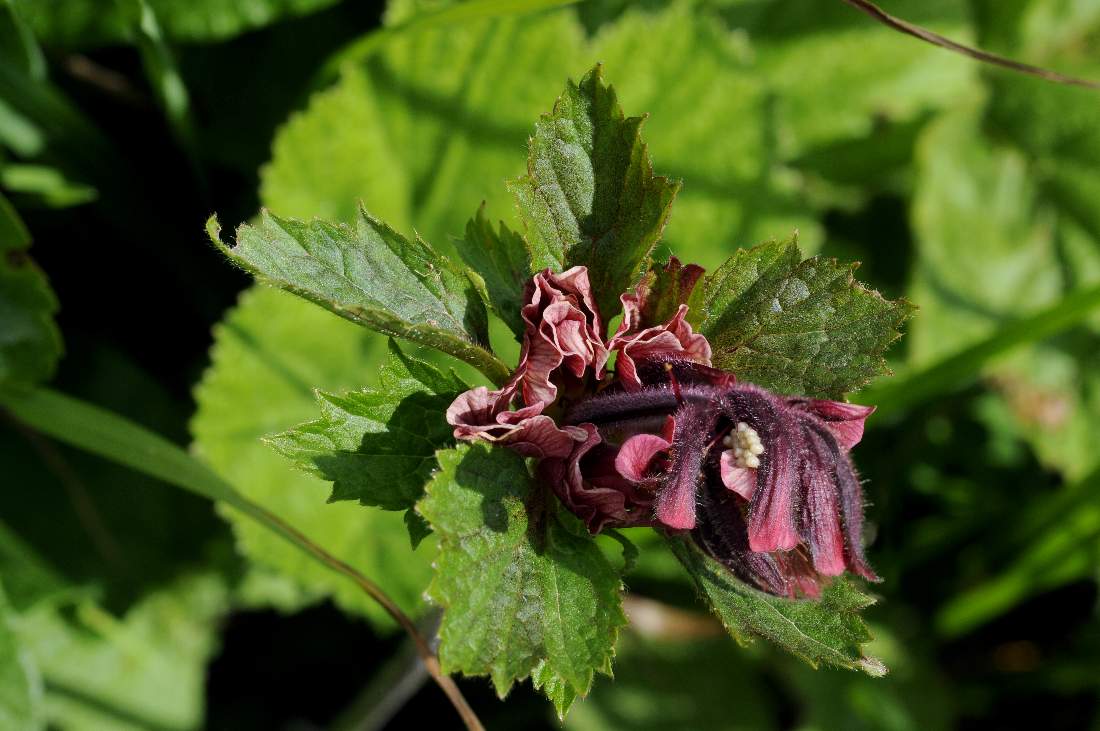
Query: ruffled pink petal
x,y
476,409
563,329
481,414
845,421
673,339
636,455
742,480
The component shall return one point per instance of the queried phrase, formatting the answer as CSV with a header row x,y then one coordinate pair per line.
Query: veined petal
x,y
845,421
741,480
636,454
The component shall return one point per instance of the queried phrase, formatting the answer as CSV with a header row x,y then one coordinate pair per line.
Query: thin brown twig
x,y
904,26
423,647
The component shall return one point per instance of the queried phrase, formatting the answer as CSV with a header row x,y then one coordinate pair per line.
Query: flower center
x,y
745,444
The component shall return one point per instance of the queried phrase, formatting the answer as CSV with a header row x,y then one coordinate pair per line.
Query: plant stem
x,y
904,26
423,648
118,439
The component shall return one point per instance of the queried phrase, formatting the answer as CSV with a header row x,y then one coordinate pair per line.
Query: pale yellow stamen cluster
x,y
745,444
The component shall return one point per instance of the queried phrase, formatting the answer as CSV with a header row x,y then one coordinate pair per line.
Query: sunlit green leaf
x,y
524,589
268,356
145,669
499,256
374,277
794,325
590,196
377,445
84,23
428,127
828,631
20,685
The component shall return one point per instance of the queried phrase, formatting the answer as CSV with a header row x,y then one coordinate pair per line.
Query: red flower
x,y
763,482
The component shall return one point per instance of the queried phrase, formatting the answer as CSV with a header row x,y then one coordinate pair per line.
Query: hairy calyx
x,y
762,482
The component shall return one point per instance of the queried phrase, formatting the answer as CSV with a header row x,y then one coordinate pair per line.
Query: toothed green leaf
x,y
828,631
525,590
794,325
374,277
377,445
590,196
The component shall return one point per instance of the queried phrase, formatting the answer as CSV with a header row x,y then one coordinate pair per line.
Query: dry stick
x,y
427,656
935,39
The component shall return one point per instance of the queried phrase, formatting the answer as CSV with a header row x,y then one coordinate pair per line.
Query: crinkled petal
x,y
563,328
479,414
590,487
674,339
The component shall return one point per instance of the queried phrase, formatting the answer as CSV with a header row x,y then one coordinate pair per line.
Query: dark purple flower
x,y
763,482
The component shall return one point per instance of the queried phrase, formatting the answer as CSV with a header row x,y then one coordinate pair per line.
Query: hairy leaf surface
x,y
377,445
794,325
524,588
827,631
590,196
374,277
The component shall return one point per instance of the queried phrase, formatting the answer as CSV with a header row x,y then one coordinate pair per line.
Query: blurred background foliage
x,y
975,193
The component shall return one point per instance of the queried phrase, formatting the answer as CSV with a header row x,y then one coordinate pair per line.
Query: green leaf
x,y
20,685
87,23
794,325
811,52
501,259
427,127
590,196
160,68
145,669
957,371
827,631
44,185
378,445
1063,551
525,590
30,343
374,277
17,45
995,246
269,353
418,527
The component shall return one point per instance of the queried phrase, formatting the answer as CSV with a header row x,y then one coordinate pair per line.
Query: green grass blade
x,y
120,440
